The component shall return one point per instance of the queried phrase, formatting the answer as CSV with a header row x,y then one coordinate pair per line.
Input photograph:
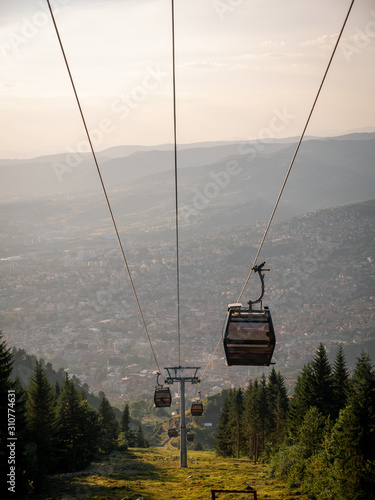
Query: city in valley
x,y
66,296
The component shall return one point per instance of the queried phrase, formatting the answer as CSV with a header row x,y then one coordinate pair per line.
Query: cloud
x,y
208,64
324,41
283,55
242,62
272,55
273,43
258,51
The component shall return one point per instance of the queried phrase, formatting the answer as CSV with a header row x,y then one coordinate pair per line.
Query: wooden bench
x,y
250,492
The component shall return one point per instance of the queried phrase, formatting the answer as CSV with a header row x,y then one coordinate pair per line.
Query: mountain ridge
x,y
216,185
72,173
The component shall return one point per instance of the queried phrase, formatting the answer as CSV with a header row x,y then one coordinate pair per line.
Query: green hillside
x,y
155,474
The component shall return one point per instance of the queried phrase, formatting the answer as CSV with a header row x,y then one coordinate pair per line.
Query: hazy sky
x,y
245,70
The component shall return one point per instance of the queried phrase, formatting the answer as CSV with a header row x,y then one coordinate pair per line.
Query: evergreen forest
x,y
54,429
321,440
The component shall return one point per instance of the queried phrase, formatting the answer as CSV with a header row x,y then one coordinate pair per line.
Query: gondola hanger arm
x,y
259,269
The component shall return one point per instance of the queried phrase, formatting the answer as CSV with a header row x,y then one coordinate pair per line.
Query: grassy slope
x,y
154,474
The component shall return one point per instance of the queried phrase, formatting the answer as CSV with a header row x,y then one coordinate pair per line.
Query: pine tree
x,y
57,390
110,426
302,399
341,383
40,422
223,444
273,388
235,421
264,413
314,387
301,461
351,448
278,407
68,426
322,382
126,436
89,434
5,385
251,419
141,440
125,420
312,431
78,429
362,383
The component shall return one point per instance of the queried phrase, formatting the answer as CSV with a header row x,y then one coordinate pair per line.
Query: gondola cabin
x,y
172,432
197,408
162,397
249,336
190,436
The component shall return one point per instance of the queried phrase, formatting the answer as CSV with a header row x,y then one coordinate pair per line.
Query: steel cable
x,y
288,172
176,185
296,151
102,184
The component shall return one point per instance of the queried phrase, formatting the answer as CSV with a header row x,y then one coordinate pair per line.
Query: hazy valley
x,y
65,295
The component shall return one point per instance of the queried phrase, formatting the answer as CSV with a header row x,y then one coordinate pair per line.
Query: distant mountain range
x,y
218,183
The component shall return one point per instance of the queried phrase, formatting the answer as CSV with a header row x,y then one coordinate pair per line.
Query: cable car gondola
x,y
162,396
172,432
197,407
190,436
249,336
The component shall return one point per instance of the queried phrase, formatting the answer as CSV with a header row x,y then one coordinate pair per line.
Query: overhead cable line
x,y
213,354
288,172
296,151
102,184
176,186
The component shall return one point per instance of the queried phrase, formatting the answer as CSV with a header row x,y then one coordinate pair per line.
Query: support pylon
x,y
174,376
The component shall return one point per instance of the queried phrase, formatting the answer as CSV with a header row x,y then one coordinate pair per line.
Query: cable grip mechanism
x,y
259,269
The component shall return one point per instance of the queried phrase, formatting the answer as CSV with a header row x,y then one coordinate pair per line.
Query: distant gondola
x,y
190,436
172,432
162,396
249,336
197,408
